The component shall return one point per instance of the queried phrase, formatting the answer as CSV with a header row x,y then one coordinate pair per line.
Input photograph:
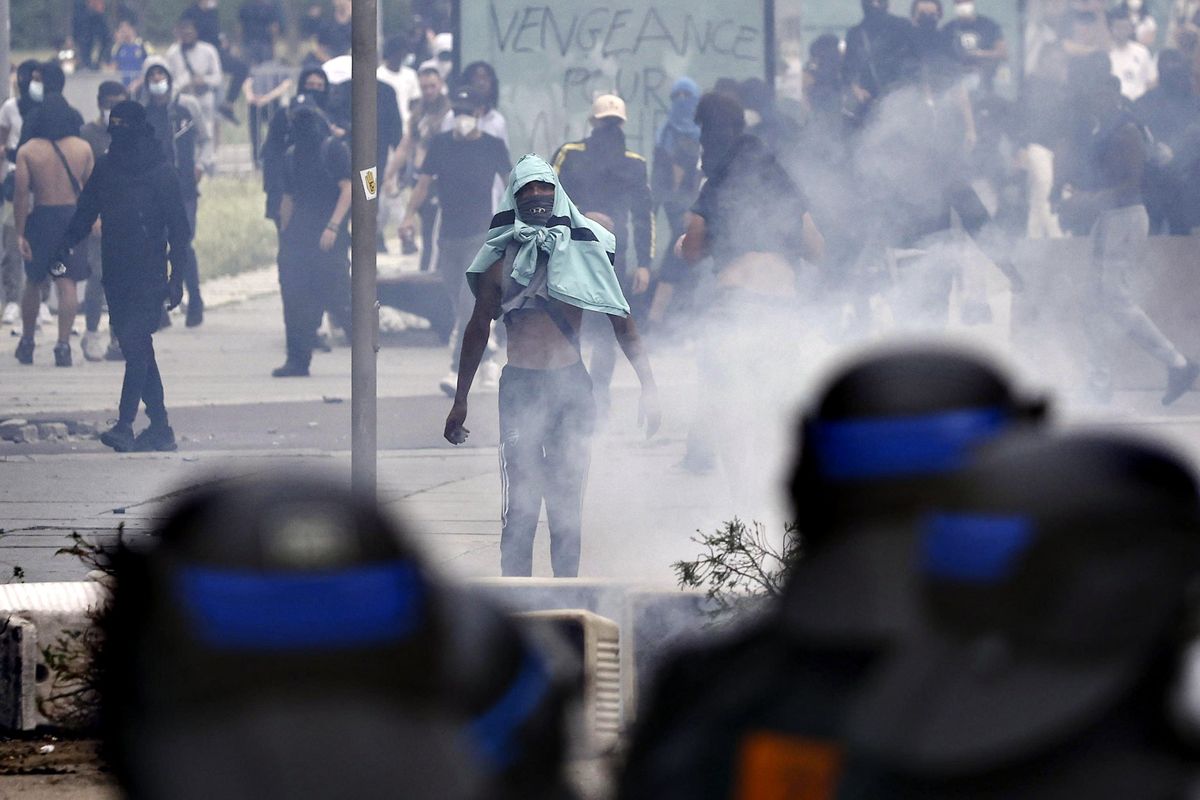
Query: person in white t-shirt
x,y
401,78
12,270
1132,63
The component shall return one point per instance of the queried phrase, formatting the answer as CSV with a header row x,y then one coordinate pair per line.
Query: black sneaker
x,y
25,350
113,353
290,369
119,437
1179,381
195,314
156,438
62,354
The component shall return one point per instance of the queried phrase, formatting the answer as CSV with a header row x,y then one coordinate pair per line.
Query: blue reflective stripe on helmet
x,y
897,446
494,730
278,611
973,547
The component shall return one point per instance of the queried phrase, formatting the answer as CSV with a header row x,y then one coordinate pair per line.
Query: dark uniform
x,y
135,193
600,174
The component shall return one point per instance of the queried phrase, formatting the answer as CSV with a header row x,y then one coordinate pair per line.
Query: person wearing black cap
x,y
134,192
877,448
314,235
288,618
1056,582
52,167
95,133
465,162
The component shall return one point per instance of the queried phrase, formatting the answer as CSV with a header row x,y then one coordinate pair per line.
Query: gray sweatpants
x,y
1118,238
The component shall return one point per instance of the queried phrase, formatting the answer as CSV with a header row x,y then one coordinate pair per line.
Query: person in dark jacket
x,y
1171,112
879,51
313,234
313,89
610,184
178,122
135,194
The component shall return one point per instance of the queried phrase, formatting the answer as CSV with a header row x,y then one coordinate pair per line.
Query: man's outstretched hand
x,y
649,412
456,432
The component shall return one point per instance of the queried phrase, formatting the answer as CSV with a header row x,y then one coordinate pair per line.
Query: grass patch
x,y
232,235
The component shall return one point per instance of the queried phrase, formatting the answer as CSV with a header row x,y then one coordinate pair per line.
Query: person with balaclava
x,y
1171,112
313,91
674,183
134,192
12,112
753,220
543,265
609,182
1099,174
178,122
95,133
464,162
878,51
52,167
314,236
765,121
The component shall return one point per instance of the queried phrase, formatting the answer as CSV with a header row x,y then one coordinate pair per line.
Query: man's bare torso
x,y
48,179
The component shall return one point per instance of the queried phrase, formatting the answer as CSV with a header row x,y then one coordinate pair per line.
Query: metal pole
x,y
365,187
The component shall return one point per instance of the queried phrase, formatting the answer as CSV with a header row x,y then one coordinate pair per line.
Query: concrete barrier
x,y
47,639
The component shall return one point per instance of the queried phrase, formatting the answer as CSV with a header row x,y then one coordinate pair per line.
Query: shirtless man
x,y
542,256
52,168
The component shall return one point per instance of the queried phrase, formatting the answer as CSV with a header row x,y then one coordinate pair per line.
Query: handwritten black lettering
x,y
532,19
501,38
647,36
616,24
563,42
591,30
747,46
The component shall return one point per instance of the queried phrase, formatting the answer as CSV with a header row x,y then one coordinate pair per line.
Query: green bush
x,y
232,235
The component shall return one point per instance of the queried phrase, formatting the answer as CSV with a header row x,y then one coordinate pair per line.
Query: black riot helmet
x,y
287,616
1055,579
877,448
889,427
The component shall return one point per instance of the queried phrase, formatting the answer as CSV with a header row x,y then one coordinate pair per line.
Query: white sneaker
x,y
489,375
449,384
93,348
44,315
11,312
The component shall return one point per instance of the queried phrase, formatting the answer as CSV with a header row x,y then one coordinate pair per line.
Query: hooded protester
x,y
604,177
314,235
1098,185
764,121
135,194
312,90
878,52
52,167
178,123
51,79
757,248
543,265
1171,112
674,183
14,109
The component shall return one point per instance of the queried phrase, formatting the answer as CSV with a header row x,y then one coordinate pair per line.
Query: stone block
x,y
21,434
52,430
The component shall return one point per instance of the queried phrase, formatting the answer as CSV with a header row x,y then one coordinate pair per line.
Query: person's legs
x,y
191,275
568,456
139,349
454,256
237,70
12,271
522,467
429,218
68,306
1122,237
301,311
152,390
31,300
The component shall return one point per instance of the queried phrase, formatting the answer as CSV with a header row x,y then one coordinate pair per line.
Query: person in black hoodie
x,y
178,123
605,178
313,90
135,193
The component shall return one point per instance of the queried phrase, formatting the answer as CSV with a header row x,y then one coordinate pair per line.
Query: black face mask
x,y
927,22
314,96
535,209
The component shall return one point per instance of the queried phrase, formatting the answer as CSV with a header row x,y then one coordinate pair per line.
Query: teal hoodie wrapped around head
x,y
581,251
